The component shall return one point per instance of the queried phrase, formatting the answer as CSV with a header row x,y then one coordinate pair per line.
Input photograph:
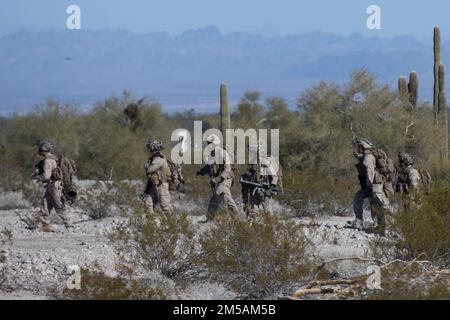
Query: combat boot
x,y
47,228
379,230
355,224
379,227
69,226
209,217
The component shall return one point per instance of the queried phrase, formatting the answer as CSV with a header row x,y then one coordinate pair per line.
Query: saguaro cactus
x,y
413,89
402,89
225,120
437,63
442,111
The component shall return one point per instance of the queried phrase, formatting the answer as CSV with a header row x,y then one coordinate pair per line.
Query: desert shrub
x,y
105,199
373,111
11,177
249,112
313,193
3,269
424,228
33,192
419,229
6,236
19,135
163,243
98,206
12,200
96,285
118,152
412,282
258,260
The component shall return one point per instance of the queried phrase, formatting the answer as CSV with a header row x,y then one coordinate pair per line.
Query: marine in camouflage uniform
x,y
408,177
255,198
218,168
46,172
408,181
371,188
158,174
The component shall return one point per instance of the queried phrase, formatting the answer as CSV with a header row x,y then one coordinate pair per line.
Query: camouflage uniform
x,y
268,175
158,172
408,179
221,175
372,188
53,196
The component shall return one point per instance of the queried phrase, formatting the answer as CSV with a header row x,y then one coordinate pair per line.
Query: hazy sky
x,y
265,16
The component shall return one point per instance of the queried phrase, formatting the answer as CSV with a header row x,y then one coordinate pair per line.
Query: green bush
x,y
105,199
163,243
423,229
323,140
313,193
259,260
419,229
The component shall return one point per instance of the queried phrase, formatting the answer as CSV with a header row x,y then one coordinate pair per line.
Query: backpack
x,y
425,177
65,171
176,180
384,165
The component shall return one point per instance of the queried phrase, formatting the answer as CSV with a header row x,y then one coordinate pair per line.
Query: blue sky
x,y
262,16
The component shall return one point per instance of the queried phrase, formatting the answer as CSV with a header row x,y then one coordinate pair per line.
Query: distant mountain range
x,y
184,71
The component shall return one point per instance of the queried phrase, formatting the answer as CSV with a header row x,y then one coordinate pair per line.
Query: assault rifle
x,y
263,189
209,170
38,170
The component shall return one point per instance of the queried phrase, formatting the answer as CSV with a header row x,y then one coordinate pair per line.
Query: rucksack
x,y
384,165
65,171
176,180
425,177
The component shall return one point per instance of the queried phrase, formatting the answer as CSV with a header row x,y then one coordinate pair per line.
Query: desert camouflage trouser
x,y
222,194
53,199
159,195
379,202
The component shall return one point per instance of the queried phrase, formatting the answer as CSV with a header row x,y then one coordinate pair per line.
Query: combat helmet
x,y
214,139
45,145
155,145
406,158
365,143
